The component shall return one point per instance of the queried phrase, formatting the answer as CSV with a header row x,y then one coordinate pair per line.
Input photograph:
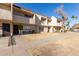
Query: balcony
x,y
22,19
44,22
59,24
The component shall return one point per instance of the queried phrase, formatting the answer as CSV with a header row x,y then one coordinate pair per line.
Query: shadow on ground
x,y
53,50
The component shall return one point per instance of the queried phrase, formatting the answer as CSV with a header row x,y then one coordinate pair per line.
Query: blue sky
x,y
48,9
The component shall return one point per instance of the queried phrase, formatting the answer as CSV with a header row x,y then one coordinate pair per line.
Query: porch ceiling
x,y
23,11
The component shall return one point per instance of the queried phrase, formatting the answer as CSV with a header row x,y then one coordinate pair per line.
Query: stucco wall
x,y
37,19
0,29
44,22
45,29
5,12
54,22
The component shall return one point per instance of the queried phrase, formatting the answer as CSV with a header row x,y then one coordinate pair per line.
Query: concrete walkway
x,y
21,48
66,44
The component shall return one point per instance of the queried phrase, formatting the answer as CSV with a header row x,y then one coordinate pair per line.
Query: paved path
x,y
66,44
22,47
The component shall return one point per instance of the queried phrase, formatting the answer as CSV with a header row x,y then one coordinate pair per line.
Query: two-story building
x,y
5,18
15,20
56,24
43,23
29,20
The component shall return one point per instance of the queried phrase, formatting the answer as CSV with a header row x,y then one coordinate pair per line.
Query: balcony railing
x,y
59,24
23,19
20,19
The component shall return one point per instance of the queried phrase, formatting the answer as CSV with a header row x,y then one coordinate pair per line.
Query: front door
x,y
6,29
15,30
48,29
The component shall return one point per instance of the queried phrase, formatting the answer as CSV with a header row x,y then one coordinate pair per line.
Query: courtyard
x,y
43,44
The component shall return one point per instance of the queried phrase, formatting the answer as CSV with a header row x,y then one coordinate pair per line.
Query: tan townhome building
x,y
29,20
57,24
17,20
43,23
5,19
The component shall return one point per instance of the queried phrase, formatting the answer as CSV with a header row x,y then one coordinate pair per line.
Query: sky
x,y
48,9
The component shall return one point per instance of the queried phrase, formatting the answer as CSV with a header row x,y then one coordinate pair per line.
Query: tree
x,y
60,11
20,28
68,24
74,17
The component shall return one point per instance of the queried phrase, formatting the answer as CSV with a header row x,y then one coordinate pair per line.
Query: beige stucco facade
x,y
5,15
35,21
20,16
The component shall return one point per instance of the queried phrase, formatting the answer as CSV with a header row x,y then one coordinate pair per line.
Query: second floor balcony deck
x,y
23,19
